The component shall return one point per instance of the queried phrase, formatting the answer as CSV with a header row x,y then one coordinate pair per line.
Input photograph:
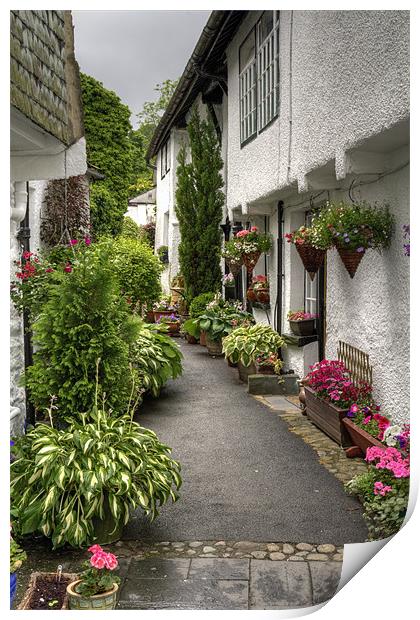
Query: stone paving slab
x,y
176,568
174,593
274,585
219,568
325,579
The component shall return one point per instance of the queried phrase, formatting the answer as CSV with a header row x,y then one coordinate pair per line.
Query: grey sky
x,y
132,51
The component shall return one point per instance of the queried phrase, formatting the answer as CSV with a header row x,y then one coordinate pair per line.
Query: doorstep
x,y
269,384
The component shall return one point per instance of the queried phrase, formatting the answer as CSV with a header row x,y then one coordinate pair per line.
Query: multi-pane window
x,y
164,159
259,75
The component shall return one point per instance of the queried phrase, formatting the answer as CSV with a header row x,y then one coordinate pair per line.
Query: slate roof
x,y
37,69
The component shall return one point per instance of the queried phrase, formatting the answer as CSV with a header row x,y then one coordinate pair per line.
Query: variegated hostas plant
x,y
62,480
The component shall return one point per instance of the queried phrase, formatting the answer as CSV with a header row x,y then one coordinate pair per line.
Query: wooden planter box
x,y
359,439
66,578
327,417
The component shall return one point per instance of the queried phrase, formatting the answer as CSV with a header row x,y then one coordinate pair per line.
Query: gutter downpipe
x,y
279,303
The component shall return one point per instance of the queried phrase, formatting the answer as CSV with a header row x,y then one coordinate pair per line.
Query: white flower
x,y
390,433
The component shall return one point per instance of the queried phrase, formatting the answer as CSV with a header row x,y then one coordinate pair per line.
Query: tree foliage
x,y
199,202
84,318
138,270
142,175
107,130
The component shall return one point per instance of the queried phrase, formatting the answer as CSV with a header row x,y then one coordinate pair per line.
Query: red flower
x,y
68,268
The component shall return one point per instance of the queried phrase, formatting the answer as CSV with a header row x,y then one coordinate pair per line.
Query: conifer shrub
x,y
138,271
199,204
199,304
84,318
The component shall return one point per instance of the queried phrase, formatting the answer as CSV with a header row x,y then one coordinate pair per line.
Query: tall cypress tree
x,y
199,202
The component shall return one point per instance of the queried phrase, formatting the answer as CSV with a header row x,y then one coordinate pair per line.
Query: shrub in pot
x,y
171,322
98,467
302,323
244,344
97,586
156,358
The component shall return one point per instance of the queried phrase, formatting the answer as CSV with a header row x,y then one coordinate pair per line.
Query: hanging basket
x,y
351,259
234,266
311,257
250,260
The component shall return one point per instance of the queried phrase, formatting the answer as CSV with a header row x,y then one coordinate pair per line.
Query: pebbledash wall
x,y
343,118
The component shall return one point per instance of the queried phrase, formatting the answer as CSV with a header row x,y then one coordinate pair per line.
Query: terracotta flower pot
x,y
173,328
303,328
351,259
250,260
191,339
214,347
245,371
203,338
359,438
263,295
327,417
251,295
150,316
311,257
106,600
158,313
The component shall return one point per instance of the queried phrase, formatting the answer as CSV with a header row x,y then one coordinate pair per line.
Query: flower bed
x,y
384,489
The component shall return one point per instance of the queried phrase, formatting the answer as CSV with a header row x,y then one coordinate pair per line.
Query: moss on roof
x,y
37,69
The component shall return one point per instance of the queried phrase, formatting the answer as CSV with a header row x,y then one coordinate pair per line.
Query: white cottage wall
x,y
342,93
371,311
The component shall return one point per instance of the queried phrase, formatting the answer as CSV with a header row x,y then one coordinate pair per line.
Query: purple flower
x,y
347,240
406,249
360,249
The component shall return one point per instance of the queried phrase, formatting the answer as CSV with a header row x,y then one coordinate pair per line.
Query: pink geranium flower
x,y
111,561
98,560
73,242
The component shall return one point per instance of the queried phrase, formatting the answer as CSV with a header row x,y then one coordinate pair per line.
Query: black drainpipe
x,y
280,206
24,236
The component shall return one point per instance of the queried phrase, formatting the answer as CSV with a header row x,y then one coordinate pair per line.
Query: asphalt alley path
x,y
245,476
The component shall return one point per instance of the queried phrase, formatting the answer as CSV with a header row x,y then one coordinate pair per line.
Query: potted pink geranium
x,y
366,427
97,586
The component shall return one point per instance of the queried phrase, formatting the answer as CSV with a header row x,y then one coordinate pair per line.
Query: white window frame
x,y
259,99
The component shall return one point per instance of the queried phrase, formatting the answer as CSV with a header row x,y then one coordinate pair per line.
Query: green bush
x,y
64,480
156,357
199,304
84,318
138,270
131,230
245,344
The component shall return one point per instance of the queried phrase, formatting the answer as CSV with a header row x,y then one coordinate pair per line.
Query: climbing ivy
x,y
107,130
